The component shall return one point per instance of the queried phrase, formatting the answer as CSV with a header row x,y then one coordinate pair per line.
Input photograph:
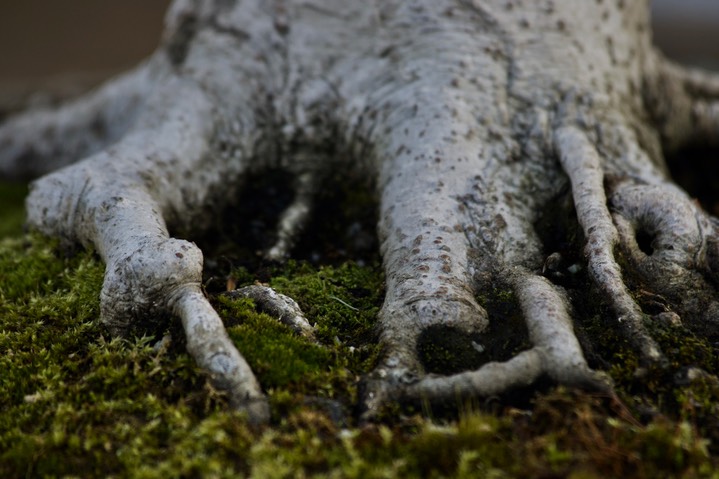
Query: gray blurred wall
x,y
688,30
51,41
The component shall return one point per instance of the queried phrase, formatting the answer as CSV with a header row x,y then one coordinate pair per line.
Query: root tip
x,y
257,409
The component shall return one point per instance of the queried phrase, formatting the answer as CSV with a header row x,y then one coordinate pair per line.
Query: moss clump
x,y
342,303
276,353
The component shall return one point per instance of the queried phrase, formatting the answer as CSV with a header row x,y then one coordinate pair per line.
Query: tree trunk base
x,y
470,117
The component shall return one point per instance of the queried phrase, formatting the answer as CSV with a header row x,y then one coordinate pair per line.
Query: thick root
x,y
118,202
685,105
41,141
209,345
555,353
676,257
582,164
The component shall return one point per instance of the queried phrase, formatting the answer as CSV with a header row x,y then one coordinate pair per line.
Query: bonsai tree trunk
x,y
471,117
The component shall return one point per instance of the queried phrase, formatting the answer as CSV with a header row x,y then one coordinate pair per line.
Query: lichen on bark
x,y
469,117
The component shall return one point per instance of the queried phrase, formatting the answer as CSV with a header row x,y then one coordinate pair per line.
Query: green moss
x,y
341,302
74,402
71,399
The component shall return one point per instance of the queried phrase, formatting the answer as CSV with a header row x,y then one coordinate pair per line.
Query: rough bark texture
x,y
471,117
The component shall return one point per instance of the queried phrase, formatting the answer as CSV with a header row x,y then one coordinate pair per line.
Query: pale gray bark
x,y
469,115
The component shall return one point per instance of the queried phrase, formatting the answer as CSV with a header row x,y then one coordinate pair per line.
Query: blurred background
x,y
43,42
66,45
688,30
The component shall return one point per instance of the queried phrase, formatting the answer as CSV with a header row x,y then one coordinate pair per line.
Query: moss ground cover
x,y
75,402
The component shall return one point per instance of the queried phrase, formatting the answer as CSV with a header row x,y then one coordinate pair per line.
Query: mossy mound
x,y
75,402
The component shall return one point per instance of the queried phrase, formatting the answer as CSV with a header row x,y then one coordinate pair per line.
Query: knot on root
x,y
141,284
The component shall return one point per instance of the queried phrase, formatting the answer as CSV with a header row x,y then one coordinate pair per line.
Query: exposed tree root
x,y
282,307
44,140
471,117
581,162
680,259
